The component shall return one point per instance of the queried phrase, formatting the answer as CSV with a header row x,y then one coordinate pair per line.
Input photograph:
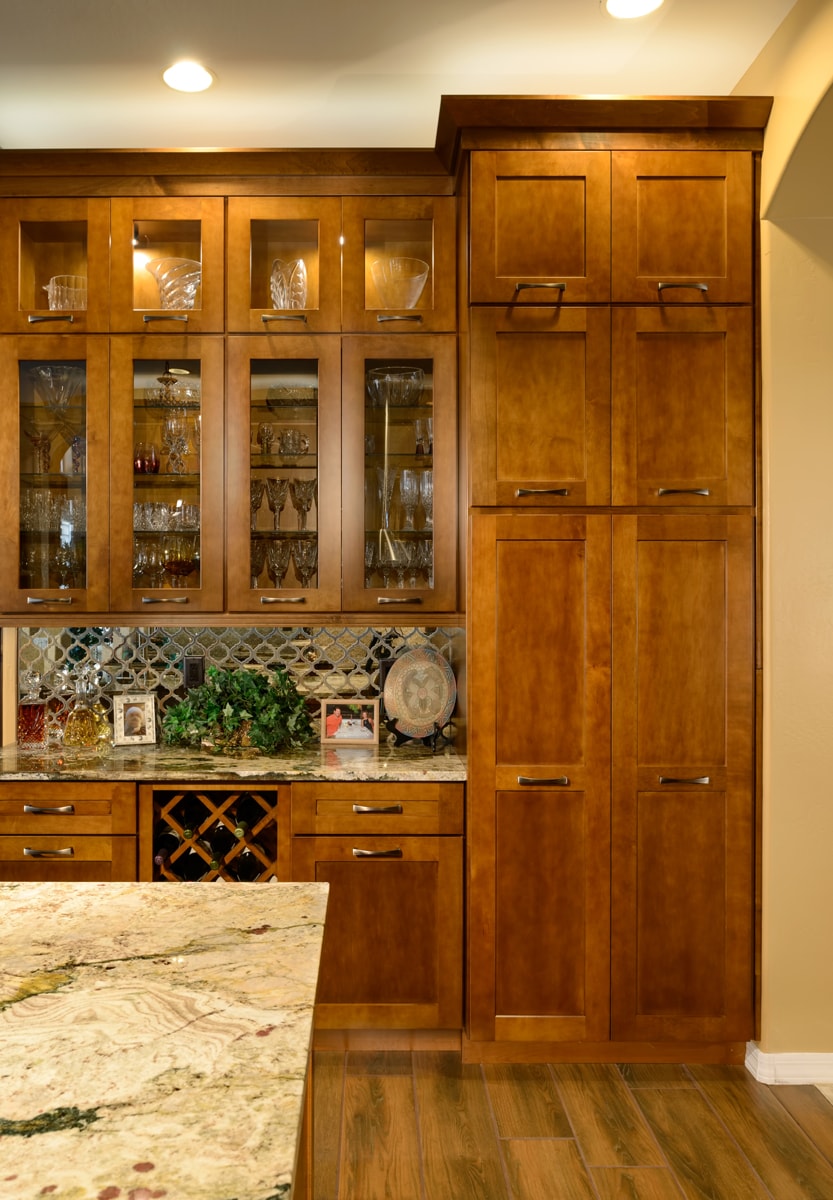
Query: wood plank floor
x,y
422,1125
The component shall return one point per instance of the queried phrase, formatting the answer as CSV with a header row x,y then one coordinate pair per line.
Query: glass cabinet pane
x,y
167,265
284,274
398,264
53,475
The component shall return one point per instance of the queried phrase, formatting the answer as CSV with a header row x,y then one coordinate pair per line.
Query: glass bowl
x,y
177,280
399,281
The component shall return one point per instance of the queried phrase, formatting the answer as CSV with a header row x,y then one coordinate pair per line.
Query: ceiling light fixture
x,y
631,8
188,76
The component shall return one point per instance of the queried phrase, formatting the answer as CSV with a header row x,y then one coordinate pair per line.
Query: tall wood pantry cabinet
x,y
612,347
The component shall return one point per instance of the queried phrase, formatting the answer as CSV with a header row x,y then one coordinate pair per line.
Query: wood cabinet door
x,y
392,951
683,406
682,226
538,789
540,224
682,785
540,406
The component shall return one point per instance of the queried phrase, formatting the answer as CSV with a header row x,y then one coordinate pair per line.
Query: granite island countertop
x,y
410,763
155,1040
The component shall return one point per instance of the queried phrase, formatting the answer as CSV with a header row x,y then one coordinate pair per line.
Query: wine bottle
x,y
192,865
247,813
221,839
188,813
247,866
165,841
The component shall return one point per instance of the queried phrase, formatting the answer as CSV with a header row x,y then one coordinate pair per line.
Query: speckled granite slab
x,y
154,1040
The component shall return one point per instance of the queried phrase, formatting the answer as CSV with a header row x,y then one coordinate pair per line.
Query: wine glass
x,y
276,493
277,559
409,494
256,489
305,558
425,560
257,558
302,493
426,495
180,559
175,441
386,479
370,559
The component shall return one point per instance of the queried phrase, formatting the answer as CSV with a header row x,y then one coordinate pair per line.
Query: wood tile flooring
x,y
423,1126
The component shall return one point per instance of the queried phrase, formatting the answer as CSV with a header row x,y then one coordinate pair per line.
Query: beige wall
x,y
797,308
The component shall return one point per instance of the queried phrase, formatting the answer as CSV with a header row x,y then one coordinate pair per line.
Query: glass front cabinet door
x,y
167,474
284,474
398,476
54,499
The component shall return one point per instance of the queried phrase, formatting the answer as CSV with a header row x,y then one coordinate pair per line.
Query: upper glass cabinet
x,y
167,265
284,265
54,265
399,264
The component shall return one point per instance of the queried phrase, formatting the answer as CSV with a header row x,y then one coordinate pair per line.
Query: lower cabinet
x,y
71,832
393,856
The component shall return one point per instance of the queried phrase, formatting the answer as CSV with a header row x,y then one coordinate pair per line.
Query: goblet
x,y
42,447
305,558
265,437
386,478
426,495
180,559
276,493
256,489
409,495
425,560
257,557
404,552
302,493
175,441
277,559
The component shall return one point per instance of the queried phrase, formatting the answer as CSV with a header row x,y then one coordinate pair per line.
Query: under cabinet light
x,y
188,76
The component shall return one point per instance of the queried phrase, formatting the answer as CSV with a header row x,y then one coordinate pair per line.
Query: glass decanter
x,y
82,725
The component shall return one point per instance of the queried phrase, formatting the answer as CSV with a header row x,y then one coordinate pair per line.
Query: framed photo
x,y
134,720
350,723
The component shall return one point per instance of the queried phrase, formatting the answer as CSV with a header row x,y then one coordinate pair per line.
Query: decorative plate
x,y
420,692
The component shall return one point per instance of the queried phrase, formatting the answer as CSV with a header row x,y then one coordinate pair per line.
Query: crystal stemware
x,y
276,492
277,559
180,559
305,558
257,559
57,384
175,441
302,494
409,495
386,477
370,560
256,489
426,495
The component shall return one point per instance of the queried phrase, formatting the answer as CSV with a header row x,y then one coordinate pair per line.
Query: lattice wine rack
x,y
214,831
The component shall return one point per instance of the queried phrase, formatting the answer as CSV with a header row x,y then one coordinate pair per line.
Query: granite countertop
x,y
155,1039
410,763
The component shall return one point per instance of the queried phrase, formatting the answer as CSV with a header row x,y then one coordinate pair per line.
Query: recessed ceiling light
x,y
631,8
187,76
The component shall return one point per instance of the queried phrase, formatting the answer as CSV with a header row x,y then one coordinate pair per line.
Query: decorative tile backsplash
x,y
324,662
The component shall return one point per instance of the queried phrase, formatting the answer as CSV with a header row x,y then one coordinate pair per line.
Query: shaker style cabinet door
x,y
55,497
683,406
540,226
682,783
54,265
540,406
682,227
539,777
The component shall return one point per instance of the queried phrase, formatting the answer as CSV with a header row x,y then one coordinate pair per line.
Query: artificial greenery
x,y
240,710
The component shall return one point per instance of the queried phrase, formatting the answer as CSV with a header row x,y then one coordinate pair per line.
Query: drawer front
x,y
69,809
377,808
73,859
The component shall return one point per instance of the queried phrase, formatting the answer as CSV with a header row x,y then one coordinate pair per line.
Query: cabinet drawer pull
x,y
542,491
164,599
530,781
397,853
36,319
699,779
558,287
283,599
267,317
399,317
28,852
399,599
49,599
36,810
377,808
701,287
683,492
148,317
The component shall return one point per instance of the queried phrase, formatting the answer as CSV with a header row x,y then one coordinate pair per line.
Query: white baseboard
x,y
788,1068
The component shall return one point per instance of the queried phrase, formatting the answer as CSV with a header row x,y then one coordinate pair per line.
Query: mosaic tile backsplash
x,y
342,662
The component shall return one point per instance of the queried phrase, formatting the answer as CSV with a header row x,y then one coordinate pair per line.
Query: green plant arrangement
x,y
241,710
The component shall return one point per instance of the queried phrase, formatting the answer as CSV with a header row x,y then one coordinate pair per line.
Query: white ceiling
x,y
341,73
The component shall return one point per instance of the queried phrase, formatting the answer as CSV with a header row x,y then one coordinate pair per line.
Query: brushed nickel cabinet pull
x,y
399,317
542,491
701,287
530,781
267,317
283,599
558,287
37,318
377,808
399,600
39,811
397,853
683,492
164,599
699,779
148,317
49,599
30,853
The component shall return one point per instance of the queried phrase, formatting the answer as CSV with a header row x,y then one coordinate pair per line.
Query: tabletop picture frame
x,y
350,722
134,719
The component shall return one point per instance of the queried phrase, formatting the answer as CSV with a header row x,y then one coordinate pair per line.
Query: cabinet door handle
x,y
377,808
148,317
380,317
267,317
36,810
530,781
37,318
701,287
670,779
30,853
399,599
283,599
542,491
558,287
164,599
683,492
49,599
397,853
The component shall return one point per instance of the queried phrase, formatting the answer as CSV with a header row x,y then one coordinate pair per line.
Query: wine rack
x,y
207,832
